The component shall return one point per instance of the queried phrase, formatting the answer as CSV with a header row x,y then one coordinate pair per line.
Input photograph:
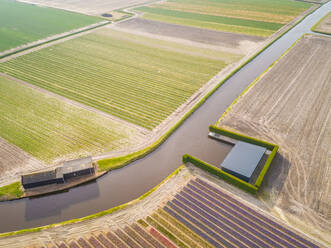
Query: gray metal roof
x,y
243,159
41,176
77,165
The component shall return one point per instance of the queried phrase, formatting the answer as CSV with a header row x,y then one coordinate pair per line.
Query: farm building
x,y
243,160
77,167
69,169
42,178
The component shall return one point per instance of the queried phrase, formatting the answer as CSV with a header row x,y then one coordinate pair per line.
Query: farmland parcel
x,y
254,17
90,7
22,23
50,129
290,106
138,79
190,209
324,25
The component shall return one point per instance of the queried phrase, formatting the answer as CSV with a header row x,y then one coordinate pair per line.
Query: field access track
x,y
138,79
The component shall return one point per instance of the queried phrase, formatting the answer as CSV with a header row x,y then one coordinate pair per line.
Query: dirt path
x,y
289,106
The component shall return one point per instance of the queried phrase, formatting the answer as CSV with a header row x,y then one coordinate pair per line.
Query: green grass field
x,y
22,23
49,129
254,17
138,79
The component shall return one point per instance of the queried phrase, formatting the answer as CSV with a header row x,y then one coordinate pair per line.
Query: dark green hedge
x,y
221,174
266,167
241,137
272,147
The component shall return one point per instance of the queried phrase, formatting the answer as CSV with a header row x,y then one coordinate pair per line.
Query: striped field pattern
x,y
200,215
253,17
138,79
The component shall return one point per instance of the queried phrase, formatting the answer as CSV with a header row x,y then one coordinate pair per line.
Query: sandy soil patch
x,y
204,36
289,107
12,160
89,7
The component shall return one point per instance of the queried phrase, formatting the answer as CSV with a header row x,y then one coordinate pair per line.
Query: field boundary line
x,y
25,49
142,130
104,160
108,162
261,76
314,28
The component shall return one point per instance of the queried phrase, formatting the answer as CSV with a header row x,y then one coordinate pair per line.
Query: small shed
x,y
42,178
78,167
243,160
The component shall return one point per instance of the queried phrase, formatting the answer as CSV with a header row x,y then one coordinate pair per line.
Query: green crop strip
x,y
22,23
120,75
165,232
254,17
11,191
48,128
211,18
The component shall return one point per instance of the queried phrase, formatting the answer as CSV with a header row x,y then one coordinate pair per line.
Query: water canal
x,y
125,184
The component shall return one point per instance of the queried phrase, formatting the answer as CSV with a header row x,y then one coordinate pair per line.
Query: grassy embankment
x,y
255,17
96,215
138,79
22,23
318,28
11,191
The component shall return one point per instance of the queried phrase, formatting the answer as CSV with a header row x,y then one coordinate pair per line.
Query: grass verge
x,y
119,162
11,191
315,27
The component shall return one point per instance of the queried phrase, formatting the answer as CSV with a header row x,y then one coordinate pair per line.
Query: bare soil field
x,y
324,25
89,7
193,34
290,106
12,160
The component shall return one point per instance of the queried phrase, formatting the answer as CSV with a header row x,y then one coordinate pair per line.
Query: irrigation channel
x,y
128,183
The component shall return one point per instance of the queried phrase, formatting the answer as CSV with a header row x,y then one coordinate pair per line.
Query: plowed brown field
x,y
290,106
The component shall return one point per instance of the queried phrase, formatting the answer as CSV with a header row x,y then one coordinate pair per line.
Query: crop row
x,y
125,79
203,211
212,18
47,128
260,18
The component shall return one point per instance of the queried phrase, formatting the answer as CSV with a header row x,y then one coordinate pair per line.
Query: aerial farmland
x,y
144,90
324,25
291,111
47,129
22,23
130,90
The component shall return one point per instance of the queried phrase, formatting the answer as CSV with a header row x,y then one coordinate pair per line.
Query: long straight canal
x,y
125,184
